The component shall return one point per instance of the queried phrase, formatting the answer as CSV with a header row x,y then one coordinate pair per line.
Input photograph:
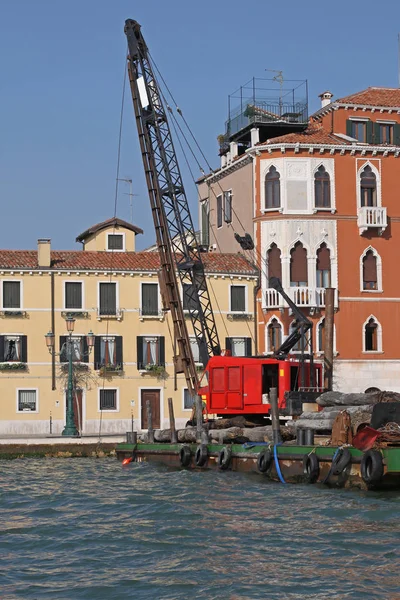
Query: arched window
x,y
371,336
323,266
272,189
321,336
297,347
298,266
274,262
322,187
370,272
368,187
274,335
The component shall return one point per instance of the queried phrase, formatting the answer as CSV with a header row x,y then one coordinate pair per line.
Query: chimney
x,y
44,259
325,98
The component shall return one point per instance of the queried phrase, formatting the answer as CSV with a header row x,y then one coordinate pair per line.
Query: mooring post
x,y
276,430
199,418
174,437
150,430
328,350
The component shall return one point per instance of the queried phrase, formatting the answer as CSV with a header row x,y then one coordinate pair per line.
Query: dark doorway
x,y
154,397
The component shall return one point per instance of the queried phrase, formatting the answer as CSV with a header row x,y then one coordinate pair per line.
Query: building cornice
x,y
349,105
228,169
331,148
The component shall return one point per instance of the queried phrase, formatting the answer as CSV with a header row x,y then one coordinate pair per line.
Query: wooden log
x,y
174,437
150,430
199,418
239,421
163,436
356,399
321,425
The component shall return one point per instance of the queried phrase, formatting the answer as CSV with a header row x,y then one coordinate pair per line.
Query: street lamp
x,y
69,428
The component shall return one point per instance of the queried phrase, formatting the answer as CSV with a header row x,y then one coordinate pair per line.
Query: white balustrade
x,y
372,216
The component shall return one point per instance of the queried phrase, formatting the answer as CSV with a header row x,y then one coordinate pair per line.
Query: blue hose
x,y
277,467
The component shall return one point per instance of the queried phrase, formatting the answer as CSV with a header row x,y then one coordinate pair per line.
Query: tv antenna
x,y
279,78
130,194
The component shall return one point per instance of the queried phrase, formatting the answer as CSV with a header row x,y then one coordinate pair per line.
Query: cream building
x,y
113,291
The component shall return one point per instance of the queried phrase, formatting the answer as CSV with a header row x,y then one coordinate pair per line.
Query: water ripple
x,y
90,529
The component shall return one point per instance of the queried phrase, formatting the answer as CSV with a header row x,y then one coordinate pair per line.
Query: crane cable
x,y
113,232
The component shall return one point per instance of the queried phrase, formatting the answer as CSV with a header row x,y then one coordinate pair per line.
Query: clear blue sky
x,y
62,68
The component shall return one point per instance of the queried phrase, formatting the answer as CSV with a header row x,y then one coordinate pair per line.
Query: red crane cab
x,y
240,385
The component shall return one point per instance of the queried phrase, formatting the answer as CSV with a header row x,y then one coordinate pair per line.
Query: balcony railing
x,y
301,296
109,313
373,217
145,313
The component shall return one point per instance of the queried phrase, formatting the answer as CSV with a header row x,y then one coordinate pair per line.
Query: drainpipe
x,y
328,353
256,290
53,325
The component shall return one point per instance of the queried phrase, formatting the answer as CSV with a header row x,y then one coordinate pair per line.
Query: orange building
x,y
323,210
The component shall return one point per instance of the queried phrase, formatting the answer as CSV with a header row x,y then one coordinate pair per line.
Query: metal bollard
x,y
131,437
300,436
309,437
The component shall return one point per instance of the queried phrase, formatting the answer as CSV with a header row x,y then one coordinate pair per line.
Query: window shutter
x,y
11,294
349,128
238,298
63,355
1,348
73,295
85,350
161,351
376,133
108,299
149,298
139,346
118,351
24,348
370,135
228,344
248,346
298,264
97,352
396,134
369,267
274,262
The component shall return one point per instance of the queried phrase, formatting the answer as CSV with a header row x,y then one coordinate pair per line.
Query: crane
x,y
250,377
175,234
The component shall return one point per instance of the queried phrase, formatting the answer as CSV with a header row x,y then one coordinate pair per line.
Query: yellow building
x,y
113,291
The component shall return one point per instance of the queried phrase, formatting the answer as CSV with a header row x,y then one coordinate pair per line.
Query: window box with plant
x,y
13,366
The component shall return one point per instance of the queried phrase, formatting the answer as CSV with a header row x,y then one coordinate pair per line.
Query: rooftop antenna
x,y
126,180
279,78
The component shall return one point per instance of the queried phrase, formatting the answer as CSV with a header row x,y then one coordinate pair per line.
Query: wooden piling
x,y
199,418
276,430
328,332
174,435
150,430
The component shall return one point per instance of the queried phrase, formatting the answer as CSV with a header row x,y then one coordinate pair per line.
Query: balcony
x,y
303,297
372,217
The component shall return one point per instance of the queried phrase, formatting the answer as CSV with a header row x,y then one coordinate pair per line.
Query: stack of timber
x,y
359,406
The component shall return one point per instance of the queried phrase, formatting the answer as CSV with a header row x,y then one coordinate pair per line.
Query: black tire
x,y
341,461
372,467
371,390
264,460
311,468
201,455
185,456
225,458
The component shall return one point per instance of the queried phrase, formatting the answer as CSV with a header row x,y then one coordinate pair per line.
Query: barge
x,y
343,466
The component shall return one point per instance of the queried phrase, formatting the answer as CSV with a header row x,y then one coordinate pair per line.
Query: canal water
x,y
92,529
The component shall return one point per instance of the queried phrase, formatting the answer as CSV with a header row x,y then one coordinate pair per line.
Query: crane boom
x,y
175,234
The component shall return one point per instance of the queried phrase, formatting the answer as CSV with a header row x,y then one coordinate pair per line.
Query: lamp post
x,y
69,428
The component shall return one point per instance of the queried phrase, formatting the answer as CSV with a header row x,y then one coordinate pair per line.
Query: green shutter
x,y
161,350
118,351
63,348
349,128
396,134
228,344
97,352
248,346
376,132
139,347
370,133
24,348
1,348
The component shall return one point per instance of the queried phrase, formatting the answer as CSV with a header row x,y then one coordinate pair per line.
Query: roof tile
x,y
314,134
374,96
119,261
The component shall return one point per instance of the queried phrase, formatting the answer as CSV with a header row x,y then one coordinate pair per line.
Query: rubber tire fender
x,y
264,460
185,456
201,456
341,461
311,468
224,458
372,466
